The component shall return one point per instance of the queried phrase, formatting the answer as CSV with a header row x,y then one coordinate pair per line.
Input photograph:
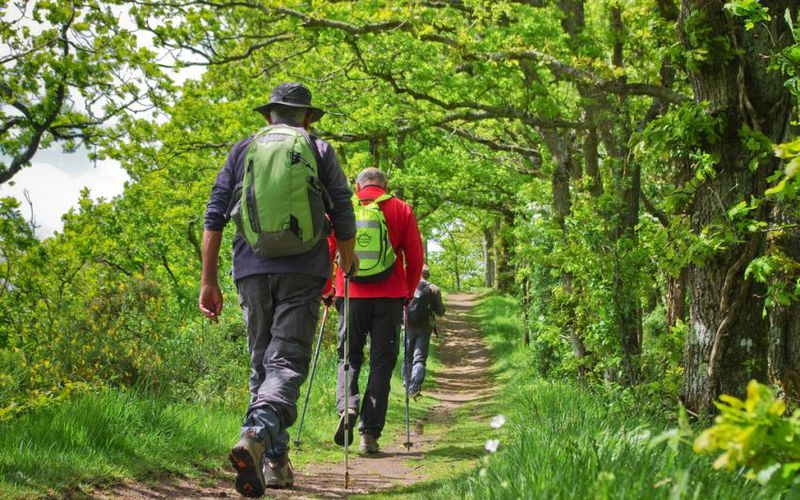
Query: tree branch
x,y
532,154
660,215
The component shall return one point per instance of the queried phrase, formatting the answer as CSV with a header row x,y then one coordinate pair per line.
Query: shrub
x,y
756,435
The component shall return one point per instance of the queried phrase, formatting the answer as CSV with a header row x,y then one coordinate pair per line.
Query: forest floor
x,y
462,388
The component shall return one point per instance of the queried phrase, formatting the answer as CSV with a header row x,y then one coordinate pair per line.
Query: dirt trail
x,y
465,362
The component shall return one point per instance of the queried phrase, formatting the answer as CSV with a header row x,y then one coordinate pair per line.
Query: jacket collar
x,y
370,193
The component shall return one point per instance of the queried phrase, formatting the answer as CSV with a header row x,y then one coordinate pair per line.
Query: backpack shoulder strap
x,y
326,196
312,141
378,200
267,130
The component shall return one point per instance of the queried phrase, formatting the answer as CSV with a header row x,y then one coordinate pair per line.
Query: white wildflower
x,y
498,421
492,445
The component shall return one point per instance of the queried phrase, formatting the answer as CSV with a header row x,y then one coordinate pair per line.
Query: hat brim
x,y
316,113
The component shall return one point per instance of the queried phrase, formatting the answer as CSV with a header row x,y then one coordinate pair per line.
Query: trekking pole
x,y
408,443
311,377
346,381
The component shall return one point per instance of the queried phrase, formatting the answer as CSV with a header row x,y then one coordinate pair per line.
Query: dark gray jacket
x,y
437,305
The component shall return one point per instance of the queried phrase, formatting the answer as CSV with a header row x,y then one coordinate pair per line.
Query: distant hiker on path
x,y
389,250
280,266
422,311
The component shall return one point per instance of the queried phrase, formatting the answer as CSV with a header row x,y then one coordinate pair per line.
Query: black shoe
x,y
338,438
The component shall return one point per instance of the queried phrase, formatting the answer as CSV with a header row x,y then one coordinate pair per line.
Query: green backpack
x,y
375,252
280,203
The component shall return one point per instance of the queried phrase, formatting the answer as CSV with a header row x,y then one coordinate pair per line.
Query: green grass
x,y
110,436
564,441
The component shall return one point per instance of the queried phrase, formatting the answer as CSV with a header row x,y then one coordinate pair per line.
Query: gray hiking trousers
x,y
380,320
281,312
418,342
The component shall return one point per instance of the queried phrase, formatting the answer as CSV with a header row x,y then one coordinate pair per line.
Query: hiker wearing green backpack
x,y
421,313
389,250
283,188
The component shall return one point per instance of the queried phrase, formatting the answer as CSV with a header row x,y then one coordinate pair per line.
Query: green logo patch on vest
x,y
375,252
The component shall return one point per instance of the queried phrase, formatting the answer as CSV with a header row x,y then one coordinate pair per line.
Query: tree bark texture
x,y
455,267
488,258
562,208
784,320
726,345
676,298
503,242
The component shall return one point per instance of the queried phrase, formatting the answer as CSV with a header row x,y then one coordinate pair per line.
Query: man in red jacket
x,y
376,308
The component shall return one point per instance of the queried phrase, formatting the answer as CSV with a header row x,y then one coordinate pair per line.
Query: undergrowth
x,y
564,441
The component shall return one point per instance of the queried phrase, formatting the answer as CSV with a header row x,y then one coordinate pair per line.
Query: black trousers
x,y
378,319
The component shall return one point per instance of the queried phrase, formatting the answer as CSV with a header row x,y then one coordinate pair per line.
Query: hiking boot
x,y
278,472
246,458
338,438
414,393
368,444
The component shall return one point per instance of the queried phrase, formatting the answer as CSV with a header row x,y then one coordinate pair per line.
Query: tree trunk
x,y
623,220
488,258
562,208
504,272
676,298
456,270
784,320
526,304
592,164
726,345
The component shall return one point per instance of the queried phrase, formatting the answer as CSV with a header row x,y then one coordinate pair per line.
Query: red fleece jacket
x,y
407,243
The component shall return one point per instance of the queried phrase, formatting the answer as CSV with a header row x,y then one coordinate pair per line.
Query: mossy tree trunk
x,y
726,345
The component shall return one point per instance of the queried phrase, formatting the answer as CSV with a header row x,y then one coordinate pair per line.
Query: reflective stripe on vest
x,y
367,223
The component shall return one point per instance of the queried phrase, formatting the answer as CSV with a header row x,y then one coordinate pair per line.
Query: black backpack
x,y
420,310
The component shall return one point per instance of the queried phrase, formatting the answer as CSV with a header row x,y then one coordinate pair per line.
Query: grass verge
x,y
564,441
110,436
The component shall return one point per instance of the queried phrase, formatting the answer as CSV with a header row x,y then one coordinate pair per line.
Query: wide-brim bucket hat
x,y
295,95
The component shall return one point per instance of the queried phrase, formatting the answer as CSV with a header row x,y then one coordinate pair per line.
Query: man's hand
x,y
210,295
328,298
211,302
348,260
349,266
